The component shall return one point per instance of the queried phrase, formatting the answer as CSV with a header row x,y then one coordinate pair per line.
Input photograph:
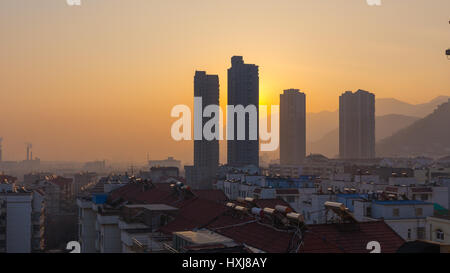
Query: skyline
x,y
97,76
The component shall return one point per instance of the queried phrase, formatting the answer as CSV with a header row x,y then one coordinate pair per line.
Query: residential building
x,y
206,151
292,127
438,229
21,218
243,89
406,217
357,125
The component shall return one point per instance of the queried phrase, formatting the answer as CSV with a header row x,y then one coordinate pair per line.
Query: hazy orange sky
x,y
98,81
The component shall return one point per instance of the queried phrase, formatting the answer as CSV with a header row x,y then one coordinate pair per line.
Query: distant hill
x,y
393,106
322,123
386,126
429,136
319,124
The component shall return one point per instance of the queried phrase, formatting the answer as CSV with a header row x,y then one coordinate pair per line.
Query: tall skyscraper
x,y
357,125
206,152
292,127
243,89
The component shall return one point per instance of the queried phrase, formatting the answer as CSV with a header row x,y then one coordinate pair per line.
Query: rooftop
x,y
153,207
401,202
203,236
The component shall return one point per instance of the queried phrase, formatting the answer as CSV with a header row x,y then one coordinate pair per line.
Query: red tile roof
x,y
330,238
271,203
195,214
246,231
200,212
136,193
326,238
213,195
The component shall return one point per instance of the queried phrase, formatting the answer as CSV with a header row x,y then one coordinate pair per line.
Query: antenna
x,y
448,50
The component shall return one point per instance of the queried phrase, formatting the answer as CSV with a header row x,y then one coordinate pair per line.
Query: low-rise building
x,y
406,217
438,229
21,218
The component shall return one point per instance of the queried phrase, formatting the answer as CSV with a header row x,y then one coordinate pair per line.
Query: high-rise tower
x,y
243,89
292,127
206,152
357,125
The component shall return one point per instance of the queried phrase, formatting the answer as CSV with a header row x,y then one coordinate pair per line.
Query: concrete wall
x,y
408,228
18,223
405,211
87,232
110,239
433,225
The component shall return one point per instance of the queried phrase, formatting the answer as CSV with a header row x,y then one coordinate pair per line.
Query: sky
x,y
98,81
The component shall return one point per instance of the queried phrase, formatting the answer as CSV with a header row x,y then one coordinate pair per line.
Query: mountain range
x,y
392,116
429,136
322,123
397,124
386,126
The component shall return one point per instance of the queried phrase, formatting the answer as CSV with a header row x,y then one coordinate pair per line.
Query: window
x,y
419,211
290,199
420,233
424,197
396,212
409,234
369,212
440,235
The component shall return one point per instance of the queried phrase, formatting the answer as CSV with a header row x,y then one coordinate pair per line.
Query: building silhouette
x,y
357,125
292,127
206,152
243,89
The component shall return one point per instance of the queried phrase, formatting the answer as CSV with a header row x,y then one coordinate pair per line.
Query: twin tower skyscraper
x,y
243,89
356,124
